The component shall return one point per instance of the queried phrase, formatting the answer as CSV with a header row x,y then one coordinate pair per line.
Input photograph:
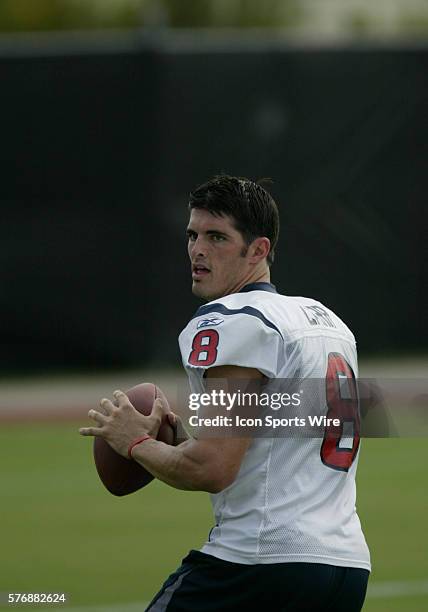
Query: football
x,y
123,476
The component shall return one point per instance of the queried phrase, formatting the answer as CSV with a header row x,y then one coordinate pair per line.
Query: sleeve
x,y
242,337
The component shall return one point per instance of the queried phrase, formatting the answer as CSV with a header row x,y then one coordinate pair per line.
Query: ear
x,y
259,249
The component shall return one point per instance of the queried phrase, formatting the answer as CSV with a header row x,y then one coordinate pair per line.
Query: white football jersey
x,y
294,498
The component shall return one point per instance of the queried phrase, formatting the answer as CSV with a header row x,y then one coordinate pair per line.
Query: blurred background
x,y
105,132
111,112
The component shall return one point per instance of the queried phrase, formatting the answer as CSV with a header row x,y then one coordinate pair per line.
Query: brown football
x,y
123,476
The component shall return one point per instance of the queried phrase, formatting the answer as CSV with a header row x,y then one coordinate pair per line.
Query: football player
x,y
286,533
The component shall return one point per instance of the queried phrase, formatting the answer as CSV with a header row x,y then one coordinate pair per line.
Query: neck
x,y
258,276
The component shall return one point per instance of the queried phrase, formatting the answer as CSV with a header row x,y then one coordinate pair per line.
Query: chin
x,y
203,292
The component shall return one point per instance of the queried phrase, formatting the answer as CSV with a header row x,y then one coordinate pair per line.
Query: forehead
x,y
202,221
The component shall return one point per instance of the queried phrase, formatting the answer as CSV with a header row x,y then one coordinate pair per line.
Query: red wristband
x,y
136,442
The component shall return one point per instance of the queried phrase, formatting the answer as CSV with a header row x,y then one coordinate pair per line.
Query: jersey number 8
x,y
343,404
204,348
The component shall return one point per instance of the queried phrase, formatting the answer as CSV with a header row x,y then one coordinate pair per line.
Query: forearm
x,y
178,466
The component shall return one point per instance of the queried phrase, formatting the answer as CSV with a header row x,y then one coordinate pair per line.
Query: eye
x,y
191,236
218,238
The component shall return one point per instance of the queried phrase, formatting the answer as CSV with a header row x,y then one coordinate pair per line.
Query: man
x,y
287,536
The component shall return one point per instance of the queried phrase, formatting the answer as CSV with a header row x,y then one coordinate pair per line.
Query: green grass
x,y
398,604
393,506
61,531
392,486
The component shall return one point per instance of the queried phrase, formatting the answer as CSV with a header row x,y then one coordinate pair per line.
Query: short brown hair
x,y
251,207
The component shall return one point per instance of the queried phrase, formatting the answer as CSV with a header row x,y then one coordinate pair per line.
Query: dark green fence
x,y
100,147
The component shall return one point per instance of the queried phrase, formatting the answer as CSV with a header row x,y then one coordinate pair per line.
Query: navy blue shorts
x,y
204,583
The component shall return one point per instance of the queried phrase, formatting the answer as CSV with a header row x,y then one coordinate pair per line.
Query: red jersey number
x,y
342,403
204,348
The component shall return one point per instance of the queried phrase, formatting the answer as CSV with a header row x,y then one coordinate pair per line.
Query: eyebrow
x,y
208,232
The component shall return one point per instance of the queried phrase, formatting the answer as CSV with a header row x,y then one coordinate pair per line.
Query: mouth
x,y
199,271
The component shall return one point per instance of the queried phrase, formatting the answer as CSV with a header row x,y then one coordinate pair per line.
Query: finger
x,y
106,406
172,418
159,409
90,431
97,416
121,398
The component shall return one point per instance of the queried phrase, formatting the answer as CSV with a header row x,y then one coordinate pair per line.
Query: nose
x,y
197,248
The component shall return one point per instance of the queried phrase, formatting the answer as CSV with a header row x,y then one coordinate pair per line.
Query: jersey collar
x,y
246,288
258,287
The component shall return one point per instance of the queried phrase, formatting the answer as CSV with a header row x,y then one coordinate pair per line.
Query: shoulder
x,y
234,330
251,309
